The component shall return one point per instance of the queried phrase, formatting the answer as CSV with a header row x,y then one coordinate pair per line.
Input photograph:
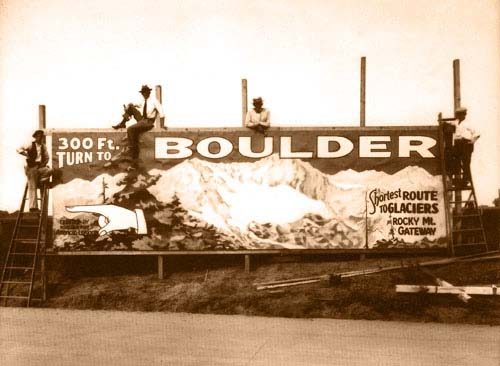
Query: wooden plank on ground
x,y
440,282
455,290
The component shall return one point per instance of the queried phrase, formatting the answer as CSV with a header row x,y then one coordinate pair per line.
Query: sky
x,y
84,59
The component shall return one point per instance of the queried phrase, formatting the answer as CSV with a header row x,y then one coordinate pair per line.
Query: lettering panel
x,y
234,189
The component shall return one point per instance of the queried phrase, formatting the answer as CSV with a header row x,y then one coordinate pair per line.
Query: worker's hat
x,y
145,88
460,110
258,99
38,132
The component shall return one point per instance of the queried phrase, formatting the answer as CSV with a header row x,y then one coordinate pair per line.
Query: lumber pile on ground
x,y
441,285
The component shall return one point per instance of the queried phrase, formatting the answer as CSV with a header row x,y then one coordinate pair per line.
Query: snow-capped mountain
x,y
281,191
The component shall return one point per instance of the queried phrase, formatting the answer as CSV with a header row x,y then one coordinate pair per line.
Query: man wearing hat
x,y
258,118
36,167
463,144
145,113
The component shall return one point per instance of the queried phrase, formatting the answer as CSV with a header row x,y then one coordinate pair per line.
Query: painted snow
x,y
272,203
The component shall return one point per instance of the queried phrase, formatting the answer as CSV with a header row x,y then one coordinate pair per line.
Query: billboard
x,y
235,189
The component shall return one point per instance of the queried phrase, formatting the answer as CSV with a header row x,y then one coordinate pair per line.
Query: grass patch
x,y
205,286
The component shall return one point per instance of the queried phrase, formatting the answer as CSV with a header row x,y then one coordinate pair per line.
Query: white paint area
x,y
263,204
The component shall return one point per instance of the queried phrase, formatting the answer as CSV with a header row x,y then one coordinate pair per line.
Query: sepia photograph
x,y
249,182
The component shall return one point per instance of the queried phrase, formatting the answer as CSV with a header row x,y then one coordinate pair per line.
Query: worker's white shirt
x,y
253,118
153,106
463,132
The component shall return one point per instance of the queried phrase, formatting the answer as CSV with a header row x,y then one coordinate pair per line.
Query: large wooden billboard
x,y
234,189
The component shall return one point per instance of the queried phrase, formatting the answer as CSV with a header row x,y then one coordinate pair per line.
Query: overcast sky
x,y
84,59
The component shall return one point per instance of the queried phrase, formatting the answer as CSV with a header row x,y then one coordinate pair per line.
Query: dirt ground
x,y
220,286
55,337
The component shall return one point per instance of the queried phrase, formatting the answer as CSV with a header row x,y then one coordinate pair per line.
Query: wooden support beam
x,y
362,94
455,290
42,118
463,296
244,101
326,279
161,267
159,122
42,125
247,263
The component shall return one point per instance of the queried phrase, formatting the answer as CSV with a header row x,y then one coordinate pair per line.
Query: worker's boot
x,y
122,124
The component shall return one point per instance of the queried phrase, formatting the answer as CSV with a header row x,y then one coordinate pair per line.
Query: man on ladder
x,y
463,146
467,231
36,168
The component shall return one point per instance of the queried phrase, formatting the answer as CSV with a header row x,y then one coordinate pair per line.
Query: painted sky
x,y
84,59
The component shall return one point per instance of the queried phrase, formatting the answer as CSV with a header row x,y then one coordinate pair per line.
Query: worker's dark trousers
x,y
463,150
134,132
451,160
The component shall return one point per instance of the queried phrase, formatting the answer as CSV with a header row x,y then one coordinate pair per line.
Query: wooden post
x,y
161,268
362,94
42,122
247,263
244,101
42,125
159,122
457,99
444,177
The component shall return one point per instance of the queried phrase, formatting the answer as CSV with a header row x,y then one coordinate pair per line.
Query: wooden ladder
x,y
22,281
467,229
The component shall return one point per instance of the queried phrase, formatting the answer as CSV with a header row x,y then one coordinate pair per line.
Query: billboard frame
x,y
249,252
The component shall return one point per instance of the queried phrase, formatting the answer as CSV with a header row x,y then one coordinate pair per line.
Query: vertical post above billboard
x,y
42,122
362,94
457,99
159,122
244,101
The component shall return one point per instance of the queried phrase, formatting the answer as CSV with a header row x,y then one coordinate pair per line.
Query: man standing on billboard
x,y
145,113
258,118
36,167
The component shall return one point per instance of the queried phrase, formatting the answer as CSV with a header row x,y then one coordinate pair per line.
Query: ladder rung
x,y
13,267
19,297
462,202
465,230
18,282
458,189
468,215
470,245
27,240
22,253
28,225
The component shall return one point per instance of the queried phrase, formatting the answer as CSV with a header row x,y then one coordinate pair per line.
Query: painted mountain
x,y
272,203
